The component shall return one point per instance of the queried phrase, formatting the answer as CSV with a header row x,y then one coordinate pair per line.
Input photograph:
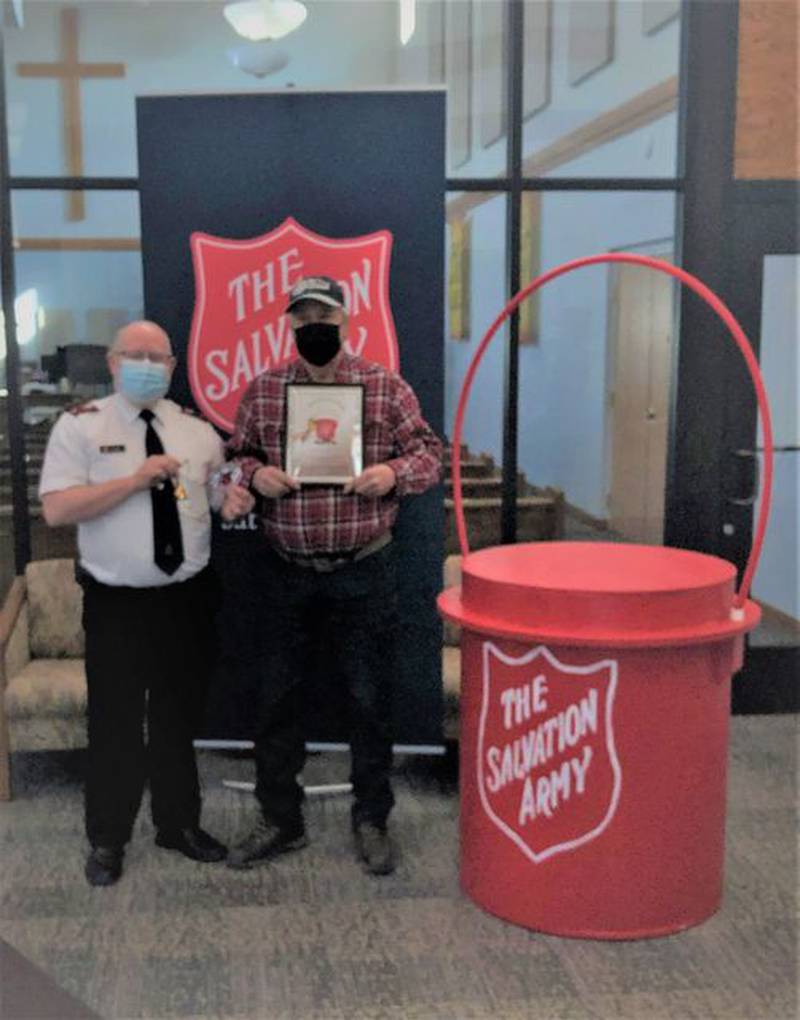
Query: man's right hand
x,y
81,503
155,470
273,483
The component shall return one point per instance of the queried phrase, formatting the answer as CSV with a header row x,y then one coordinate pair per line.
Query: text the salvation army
x,y
263,338
530,758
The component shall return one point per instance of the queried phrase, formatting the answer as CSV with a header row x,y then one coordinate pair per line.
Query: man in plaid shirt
x,y
333,586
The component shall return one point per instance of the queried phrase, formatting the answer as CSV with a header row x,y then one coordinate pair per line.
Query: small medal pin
x,y
179,488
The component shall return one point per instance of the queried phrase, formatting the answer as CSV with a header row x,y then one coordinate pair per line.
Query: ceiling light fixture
x,y
258,58
259,20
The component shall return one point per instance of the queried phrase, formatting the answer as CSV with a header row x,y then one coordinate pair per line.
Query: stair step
x,y
37,441
7,510
473,469
5,494
31,457
467,457
32,461
32,470
34,446
540,518
483,488
523,502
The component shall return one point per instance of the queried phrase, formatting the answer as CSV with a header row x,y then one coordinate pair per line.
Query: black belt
x,y
87,580
324,563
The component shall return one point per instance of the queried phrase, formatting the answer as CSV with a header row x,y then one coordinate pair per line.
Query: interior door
x,y
642,340
765,268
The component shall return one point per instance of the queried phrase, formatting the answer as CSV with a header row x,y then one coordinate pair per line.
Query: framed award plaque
x,y
324,438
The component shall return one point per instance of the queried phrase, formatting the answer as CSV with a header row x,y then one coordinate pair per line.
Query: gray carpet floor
x,y
311,937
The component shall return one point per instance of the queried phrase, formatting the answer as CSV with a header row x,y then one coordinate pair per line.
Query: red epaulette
x,y
83,409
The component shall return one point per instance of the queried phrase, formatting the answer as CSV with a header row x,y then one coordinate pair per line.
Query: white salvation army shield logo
x,y
240,327
548,772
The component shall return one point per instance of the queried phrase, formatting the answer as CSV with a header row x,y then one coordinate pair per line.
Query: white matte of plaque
x,y
324,432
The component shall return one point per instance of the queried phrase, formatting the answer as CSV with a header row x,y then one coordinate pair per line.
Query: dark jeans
x,y
346,621
148,656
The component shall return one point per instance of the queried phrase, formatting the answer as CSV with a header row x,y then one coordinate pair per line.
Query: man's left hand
x,y
375,482
238,502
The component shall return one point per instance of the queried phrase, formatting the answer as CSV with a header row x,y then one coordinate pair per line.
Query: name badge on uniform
x,y
118,448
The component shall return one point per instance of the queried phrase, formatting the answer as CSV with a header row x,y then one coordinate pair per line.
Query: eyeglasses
x,y
155,356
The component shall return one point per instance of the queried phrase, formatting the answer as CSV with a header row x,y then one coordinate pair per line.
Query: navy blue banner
x,y
242,194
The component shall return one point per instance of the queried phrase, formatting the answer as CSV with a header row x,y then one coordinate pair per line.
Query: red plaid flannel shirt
x,y
322,520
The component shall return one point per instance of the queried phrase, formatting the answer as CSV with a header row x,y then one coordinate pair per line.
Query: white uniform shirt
x,y
105,439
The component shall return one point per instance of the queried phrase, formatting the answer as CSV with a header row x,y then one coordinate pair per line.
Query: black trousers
x,y
344,622
148,658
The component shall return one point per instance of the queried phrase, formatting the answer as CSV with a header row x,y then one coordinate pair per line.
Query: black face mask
x,y
318,342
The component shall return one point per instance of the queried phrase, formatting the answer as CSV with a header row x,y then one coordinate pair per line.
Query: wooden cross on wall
x,y
69,70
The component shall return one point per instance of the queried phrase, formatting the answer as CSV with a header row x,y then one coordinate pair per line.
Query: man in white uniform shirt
x,y
133,471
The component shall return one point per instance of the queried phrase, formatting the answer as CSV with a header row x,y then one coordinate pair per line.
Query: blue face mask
x,y
143,382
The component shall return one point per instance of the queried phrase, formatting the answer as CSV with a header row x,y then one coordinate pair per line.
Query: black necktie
x,y
167,538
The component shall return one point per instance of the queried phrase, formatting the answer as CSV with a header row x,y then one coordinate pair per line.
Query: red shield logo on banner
x,y
239,327
548,772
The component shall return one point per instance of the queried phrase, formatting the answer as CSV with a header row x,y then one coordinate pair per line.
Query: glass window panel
x,y
596,355
7,566
476,283
39,215
178,46
601,88
421,61
475,47
458,46
776,584
76,300
77,283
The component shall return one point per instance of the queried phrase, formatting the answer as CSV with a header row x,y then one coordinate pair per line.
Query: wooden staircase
x,y
540,512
